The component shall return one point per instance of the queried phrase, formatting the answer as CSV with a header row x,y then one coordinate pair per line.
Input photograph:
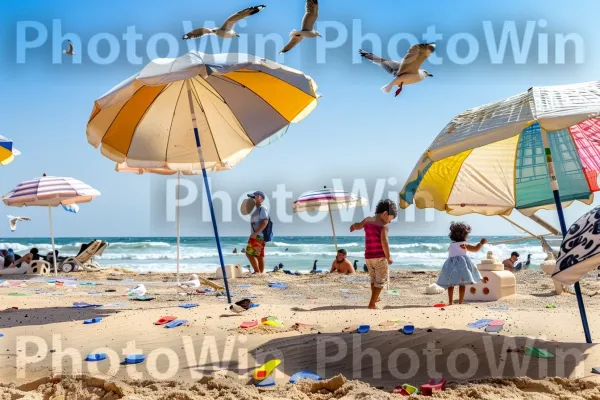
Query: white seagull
x,y
69,52
406,71
226,31
13,221
308,26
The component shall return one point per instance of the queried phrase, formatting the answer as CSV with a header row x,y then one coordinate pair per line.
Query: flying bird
x,y
406,71
70,51
13,221
226,31
308,26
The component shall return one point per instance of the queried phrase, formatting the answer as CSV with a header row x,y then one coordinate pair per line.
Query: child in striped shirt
x,y
377,247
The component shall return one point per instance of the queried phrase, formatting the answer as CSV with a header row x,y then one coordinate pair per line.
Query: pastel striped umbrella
x,y
7,151
328,200
50,191
199,112
512,154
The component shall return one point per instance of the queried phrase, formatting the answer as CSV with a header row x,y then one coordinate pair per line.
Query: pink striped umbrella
x,y
50,191
328,200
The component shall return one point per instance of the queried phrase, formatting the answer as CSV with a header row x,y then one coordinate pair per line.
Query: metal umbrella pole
x,y
178,221
207,187
563,227
332,227
52,240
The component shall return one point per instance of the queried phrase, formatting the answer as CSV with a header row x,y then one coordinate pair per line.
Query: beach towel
x,y
482,323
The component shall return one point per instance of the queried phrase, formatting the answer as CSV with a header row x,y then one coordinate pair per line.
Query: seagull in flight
x,y
69,52
308,26
226,31
13,221
406,71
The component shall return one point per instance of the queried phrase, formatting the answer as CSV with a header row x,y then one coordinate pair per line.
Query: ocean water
x,y
158,254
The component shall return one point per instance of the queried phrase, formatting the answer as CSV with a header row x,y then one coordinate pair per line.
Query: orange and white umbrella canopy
x,y
239,102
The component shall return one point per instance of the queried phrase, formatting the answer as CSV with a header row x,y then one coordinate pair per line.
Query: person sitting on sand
x,y
509,263
341,264
377,246
29,257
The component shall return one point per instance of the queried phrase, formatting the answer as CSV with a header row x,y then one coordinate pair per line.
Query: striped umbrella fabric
x,y
326,200
493,159
50,191
240,101
7,151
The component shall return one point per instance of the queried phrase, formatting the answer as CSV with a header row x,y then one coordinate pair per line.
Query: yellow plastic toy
x,y
265,370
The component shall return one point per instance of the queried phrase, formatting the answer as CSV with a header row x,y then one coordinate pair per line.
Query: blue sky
x,y
356,131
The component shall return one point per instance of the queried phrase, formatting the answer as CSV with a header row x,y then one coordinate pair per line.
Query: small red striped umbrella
x,y
328,200
50,191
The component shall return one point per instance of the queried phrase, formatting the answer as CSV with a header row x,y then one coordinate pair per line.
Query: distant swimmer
x,y
235,251
341,264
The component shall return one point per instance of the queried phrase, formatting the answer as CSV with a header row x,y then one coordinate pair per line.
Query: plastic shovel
x,y
165,320
264,371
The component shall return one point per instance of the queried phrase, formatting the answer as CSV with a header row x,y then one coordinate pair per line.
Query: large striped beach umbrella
x,y
7,151
512,154
50,191
328,200
200,111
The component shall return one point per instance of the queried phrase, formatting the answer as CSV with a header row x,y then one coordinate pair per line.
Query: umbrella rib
x,y
207,123
247,138
171,124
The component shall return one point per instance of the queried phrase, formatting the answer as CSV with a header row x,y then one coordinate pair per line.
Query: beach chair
x,y
85,259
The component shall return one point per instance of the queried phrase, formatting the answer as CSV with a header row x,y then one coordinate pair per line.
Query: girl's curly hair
x,y
459,231
387,205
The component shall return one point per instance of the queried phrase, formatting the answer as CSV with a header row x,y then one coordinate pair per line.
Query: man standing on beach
x,y
255,250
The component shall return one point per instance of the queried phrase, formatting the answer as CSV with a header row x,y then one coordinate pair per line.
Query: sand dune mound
x,y
224,387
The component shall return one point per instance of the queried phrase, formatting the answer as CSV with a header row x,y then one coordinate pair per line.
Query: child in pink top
x,y
377,248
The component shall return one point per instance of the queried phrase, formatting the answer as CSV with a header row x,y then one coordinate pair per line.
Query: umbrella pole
x,y
563,227
178,220
52,240
207,187
332,227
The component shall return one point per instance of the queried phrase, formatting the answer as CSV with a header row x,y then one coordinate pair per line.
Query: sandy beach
x,y
45,336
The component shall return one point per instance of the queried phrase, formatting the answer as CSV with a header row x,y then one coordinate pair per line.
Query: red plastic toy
x,y
434,384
